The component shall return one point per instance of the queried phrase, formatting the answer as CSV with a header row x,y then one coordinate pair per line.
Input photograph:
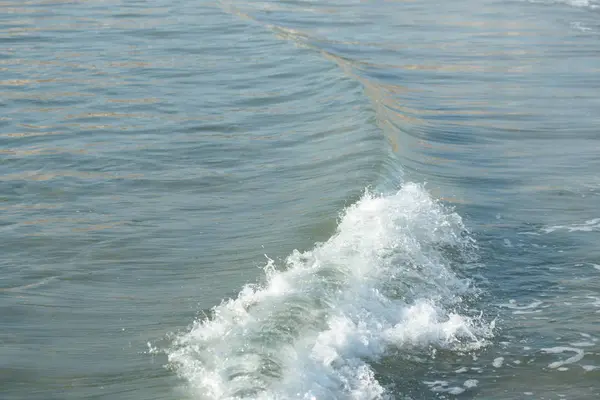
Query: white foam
x,y
596,302
442,387
579,3
588,226
583,344
513,305
582,3
580,26
455,390
470,383
522,312
523,309
592,4
381,282
561,349
498,362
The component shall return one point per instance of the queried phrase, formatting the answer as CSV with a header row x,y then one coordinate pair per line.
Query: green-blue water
x,y
413,187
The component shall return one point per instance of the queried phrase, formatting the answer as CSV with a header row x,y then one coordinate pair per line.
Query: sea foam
x,y
386,280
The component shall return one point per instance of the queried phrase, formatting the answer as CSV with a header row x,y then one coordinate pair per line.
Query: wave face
x,y
386,281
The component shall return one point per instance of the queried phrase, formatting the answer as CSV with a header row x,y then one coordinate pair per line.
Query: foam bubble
x,y
455,390
383,281
498,362
471,383
444,387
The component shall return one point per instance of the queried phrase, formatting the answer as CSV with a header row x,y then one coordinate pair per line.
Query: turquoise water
x,y
299,199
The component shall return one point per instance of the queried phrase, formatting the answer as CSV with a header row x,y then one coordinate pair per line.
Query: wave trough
x,y
386,281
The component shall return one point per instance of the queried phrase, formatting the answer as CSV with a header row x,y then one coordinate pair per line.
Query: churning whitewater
x,y
389,280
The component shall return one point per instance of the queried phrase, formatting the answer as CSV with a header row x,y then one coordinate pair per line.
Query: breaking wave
x,y
389,280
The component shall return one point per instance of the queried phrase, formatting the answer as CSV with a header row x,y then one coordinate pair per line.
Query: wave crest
x,y
385,280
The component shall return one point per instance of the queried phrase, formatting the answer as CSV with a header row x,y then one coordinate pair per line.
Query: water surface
x,y
410,189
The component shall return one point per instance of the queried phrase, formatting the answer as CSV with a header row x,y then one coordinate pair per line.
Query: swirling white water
x,y
386,280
